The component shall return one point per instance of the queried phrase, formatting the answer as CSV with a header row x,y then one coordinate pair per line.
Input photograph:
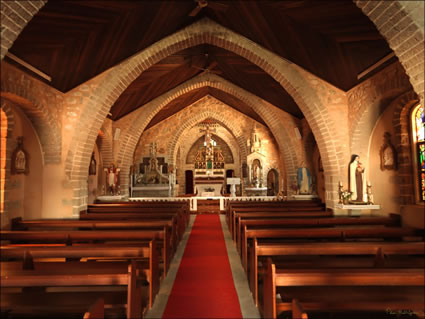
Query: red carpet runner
x,y
204,287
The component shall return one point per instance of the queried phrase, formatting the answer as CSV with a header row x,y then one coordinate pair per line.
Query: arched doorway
x,y
272,182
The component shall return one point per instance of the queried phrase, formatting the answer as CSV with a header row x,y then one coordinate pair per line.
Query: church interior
x,y
130,128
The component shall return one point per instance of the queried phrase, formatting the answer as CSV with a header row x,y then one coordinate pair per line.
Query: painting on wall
x,y
20,158
388,154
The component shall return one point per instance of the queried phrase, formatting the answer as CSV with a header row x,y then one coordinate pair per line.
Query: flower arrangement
x,y
346,194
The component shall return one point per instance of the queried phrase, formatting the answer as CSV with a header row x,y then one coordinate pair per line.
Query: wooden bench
x,y
393,220
91,253
94,274
181,208
285,212
377,254
271,204
72,224
334,233
329,290
95,236
149,212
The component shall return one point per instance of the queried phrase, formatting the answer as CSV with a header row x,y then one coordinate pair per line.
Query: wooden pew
x,y
182,208
313,204
50,274
378,253
393,220
72,224
283,212
334,233
95,236
151,213
342,290
92,252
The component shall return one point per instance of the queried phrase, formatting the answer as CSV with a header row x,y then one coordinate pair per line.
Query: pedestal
x,y
111,198
356,210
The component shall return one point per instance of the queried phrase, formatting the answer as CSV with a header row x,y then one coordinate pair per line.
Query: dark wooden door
x,y
189,182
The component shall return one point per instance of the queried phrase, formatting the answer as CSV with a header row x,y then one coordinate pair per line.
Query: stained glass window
x,y
419,131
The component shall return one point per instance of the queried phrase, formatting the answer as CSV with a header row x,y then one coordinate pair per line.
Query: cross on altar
x,y
207,135
233,181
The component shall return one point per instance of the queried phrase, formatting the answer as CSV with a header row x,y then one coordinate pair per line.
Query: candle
x,y
340,183
368,183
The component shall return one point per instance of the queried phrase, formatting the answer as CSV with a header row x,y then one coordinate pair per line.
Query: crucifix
x,y
207,135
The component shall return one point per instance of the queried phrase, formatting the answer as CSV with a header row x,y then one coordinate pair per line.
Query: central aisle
x,y
204,286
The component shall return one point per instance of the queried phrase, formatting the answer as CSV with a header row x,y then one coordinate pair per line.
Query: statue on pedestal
x,y
112,179
357,180
304,180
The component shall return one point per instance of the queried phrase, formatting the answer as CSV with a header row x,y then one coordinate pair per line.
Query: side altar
x,y
152,177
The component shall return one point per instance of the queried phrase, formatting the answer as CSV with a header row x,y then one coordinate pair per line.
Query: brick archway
x,y
401,23
203,31
7,126
15,15
401,122
137,121
44,124
105,148
226,123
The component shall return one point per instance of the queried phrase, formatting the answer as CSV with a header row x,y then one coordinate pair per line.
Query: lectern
x,y
233,181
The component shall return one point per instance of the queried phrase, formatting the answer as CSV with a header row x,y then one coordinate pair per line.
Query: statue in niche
x,y
92,167
20,158
256,173
112,179
357,180
304,180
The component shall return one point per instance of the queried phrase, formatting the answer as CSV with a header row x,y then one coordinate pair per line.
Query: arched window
x,y
418,132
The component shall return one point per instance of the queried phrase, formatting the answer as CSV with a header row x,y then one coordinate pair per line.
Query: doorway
x,y
189,181
272,182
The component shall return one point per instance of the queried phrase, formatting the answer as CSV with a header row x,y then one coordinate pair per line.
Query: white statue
x,y
357,180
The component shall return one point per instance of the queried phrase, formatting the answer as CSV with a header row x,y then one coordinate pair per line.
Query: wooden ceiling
x,y
73,41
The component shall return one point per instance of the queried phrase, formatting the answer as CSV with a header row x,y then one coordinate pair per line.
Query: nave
x,y
213,266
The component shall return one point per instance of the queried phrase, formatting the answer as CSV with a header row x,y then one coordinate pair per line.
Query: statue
x,y
304,180
112,179
208,135
357,180
20,158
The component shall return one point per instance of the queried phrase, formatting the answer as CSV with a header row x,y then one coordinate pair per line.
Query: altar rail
x,y
193,201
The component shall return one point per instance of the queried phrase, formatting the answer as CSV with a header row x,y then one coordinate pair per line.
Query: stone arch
x,y
44,124
401,123
140,120
226,123
105,148
363,128
401,23
7,125
202,31
15,15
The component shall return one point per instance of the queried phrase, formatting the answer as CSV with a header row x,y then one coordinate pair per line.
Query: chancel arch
x,y
134,124
202,31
